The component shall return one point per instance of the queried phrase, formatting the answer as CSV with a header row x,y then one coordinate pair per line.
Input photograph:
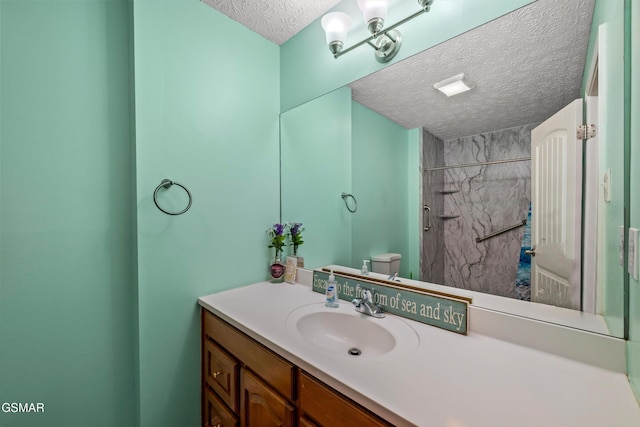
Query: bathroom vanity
x,y
245,383
262,366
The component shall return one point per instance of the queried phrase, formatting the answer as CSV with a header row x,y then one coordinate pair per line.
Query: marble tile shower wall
x,y
472,202
432,263
491,198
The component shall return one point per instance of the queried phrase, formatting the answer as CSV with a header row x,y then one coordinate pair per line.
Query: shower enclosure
x,y
476,210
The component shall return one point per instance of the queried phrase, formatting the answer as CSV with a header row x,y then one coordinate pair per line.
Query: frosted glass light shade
x,y
336,25
372,9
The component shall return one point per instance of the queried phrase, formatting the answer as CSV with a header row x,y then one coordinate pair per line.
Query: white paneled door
x,y
556,188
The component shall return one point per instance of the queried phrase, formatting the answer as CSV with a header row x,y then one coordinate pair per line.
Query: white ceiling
x,y
526,65
275,20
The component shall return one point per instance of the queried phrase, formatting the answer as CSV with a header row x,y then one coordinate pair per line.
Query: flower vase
x,y
277,268
298,257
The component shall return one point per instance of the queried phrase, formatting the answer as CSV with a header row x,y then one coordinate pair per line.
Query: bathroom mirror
x,y
447,182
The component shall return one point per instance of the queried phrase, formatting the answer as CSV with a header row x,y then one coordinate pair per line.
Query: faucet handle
x,y
366,305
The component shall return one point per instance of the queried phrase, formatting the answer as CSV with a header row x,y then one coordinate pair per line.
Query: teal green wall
x,y
316,170
207,106
380,176
633,346
67,257
610,13
309,70
332,145
98,317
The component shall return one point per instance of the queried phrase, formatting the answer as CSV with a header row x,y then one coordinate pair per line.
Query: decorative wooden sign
x,y
436,309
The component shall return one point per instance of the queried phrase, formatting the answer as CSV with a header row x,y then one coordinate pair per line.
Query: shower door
x,y
556,186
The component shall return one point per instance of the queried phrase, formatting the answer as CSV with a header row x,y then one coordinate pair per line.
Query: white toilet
x,y
386,263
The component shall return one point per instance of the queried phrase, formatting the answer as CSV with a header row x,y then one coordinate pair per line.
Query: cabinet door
x,y
260,406
329,408
306,422
216,413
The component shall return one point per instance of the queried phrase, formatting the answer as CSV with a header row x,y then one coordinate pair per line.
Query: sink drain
x,y
354,351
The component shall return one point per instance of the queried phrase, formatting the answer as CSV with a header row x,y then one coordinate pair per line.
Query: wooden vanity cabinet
x,y
221,373
261,406
215,413
253,384
306,422
329,408
244,384
273,369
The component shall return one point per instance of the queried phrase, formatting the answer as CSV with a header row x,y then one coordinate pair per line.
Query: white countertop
x,y
450,380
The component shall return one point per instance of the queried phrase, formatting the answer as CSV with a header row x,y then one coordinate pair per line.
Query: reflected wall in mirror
x,y
429,175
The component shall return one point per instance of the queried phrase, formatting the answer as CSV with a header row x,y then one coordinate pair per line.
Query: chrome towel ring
x,y
166,184
345,196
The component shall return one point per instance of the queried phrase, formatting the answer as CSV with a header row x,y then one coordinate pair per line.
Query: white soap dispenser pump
x,y
365,268
332,292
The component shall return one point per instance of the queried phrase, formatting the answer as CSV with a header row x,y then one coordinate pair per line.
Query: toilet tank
x,y
386,263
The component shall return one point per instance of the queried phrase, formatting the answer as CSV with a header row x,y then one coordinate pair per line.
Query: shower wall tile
x,y
491,198
432,262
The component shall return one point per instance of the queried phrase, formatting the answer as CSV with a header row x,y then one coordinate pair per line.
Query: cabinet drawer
x,y
215,413
221,374
329,408
272,368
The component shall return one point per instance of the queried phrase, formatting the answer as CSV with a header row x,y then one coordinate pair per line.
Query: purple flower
x,y
295,227
279,229
295,231
277,236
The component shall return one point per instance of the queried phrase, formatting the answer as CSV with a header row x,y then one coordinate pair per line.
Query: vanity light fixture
x,y
336,25
454,85
385,41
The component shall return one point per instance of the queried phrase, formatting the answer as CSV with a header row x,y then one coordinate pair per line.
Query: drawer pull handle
x,y
216,375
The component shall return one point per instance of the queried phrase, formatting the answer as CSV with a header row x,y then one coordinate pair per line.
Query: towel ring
x,y
345,196
167,183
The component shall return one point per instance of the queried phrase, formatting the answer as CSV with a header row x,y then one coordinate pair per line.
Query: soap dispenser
x,y
332,292
365,268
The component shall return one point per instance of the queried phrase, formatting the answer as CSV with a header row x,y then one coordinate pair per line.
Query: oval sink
x,y
341,330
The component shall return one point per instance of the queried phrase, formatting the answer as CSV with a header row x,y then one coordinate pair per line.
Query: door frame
x,y
591,190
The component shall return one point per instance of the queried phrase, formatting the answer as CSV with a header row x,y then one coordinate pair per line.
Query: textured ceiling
x,y
526,66
275,20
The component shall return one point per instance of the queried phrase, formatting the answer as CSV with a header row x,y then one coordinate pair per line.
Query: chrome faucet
x,y
365,305
393,277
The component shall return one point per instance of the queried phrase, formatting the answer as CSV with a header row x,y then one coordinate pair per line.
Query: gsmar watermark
x,y
20,407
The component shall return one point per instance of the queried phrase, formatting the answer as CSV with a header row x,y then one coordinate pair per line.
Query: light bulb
x,y
373,9
336,25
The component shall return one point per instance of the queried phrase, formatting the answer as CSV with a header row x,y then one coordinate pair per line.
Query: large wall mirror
x,y
490,191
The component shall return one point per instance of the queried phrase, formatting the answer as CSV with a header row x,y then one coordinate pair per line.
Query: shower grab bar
x,y
166,184
513,227
427,209
469,165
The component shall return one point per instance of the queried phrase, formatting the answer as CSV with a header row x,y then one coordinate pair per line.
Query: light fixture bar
x,y
374,36
390,34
